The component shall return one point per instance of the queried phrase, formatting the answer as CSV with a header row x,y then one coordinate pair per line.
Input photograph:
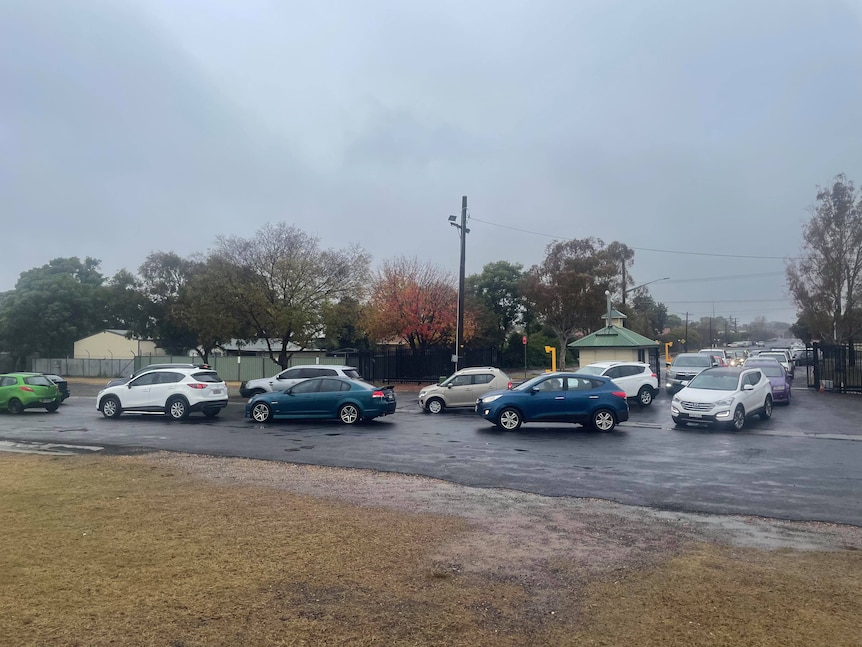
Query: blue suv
x,y
589,400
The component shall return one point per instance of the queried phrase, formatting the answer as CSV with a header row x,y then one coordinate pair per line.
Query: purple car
x,y
778,377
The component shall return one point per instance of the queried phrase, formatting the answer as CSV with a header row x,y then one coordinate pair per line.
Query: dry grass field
x,y
174,550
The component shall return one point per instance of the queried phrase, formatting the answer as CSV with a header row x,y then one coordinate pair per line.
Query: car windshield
x,y
692,360
592,370
38,380
715,381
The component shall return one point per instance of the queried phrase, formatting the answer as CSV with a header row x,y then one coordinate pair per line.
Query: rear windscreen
x,y
38,380
207,376
352,373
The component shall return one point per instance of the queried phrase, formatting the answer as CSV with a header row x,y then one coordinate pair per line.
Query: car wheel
x,y
211,412
604,420
111,407
509,419
766,414
679,424
177,409
738,418
645,396
435,405
15,406
51,408
349,414
261,412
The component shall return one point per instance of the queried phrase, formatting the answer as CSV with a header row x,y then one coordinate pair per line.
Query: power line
x,y
639,249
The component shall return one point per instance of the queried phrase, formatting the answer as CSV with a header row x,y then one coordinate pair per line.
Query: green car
x,y
19,391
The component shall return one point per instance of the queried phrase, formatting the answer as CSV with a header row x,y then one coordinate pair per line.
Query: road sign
x,y
524,340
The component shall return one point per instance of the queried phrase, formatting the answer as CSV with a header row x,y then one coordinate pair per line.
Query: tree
x,y
496,300
825,280
624,256
414,302
53,306
567,290
342,325
281,280
645,315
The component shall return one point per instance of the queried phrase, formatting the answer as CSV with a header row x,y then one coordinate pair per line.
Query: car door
x,y
299,400
287,378
137,393
482,383
460,391
330,394
582,397
752,398
547,401
7,386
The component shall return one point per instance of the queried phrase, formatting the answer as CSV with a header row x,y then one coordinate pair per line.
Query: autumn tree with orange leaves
x,y
414,302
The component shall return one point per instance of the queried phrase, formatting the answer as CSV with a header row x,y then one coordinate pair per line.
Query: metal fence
x,y
835,367
385,364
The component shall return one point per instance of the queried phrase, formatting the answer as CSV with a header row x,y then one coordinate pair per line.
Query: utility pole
x,y
685,343
624,284
459,327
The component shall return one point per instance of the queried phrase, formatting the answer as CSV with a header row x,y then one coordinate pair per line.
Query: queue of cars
x,y
704,388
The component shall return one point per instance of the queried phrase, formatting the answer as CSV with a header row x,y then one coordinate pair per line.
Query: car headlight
x,y
724,403
422,394
676,400
778,387
489,398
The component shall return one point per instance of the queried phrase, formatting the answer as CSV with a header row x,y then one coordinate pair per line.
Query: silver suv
x,y
175,392
684,367
463,388
292,375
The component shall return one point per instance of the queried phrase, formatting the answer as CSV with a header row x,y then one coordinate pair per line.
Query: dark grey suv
x,y
684,367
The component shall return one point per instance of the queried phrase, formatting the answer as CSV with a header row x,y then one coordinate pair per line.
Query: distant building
x,y
114,344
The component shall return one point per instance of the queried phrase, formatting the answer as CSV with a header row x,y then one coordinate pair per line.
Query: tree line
x,y
283,287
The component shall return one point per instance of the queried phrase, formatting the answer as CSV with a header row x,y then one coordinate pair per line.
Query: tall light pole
x,y
642,285
459,327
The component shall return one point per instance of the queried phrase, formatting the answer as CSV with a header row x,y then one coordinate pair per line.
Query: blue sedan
x,y
338,398
589,400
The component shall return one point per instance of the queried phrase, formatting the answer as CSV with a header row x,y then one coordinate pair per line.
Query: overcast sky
x,y
132,126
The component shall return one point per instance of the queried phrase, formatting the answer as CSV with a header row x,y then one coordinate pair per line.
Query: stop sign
x,y
524,340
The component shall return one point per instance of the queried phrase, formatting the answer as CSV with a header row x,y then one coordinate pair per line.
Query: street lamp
x,y
459,328
642,285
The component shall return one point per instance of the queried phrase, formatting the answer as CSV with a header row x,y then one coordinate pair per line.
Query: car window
x,y
207,376
352,373
591,370
462,380
550,384
754,378
7,381
323,372
614,371
484,378
38,380
289,374
578,384
168,377
631,370
146,379
309,386
331,386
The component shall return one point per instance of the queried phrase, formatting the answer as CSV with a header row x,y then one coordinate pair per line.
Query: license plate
x,y
46,400
695,415
216,391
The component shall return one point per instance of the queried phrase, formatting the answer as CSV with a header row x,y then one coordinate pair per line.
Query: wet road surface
x,y
802,464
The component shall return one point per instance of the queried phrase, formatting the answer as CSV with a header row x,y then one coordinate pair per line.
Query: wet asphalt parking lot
x,y
805,463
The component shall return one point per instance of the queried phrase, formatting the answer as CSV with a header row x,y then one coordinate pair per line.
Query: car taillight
x,y
655,376
377,394
509,386
619,394
27,388
197,385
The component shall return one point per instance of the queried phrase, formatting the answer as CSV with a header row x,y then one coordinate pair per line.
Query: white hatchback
x,y
637,379
174,392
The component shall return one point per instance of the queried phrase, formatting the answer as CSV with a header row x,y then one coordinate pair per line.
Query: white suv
x,y
726,396
637,379
292,375
175,392
463,388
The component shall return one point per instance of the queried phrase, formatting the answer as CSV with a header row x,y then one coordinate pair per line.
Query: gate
x,y
835,367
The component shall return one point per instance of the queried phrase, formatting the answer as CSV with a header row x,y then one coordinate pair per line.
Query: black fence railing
x,y
404,365
836,367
